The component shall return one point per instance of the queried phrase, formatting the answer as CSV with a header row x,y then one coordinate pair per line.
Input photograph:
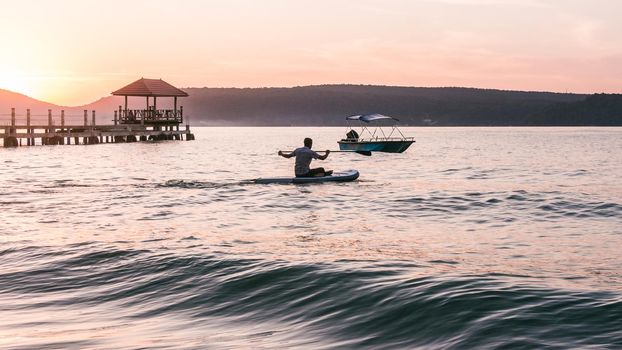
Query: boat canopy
x,y
369,117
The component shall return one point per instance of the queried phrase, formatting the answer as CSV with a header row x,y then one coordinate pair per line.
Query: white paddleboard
x,y
341,176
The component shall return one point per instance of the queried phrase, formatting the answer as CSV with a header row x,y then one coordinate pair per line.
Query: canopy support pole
x,y
142,118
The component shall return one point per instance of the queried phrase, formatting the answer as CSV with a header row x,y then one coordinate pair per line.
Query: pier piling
x,y
29,141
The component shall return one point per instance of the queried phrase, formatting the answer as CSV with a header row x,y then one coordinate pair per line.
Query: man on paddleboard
x,y
304,155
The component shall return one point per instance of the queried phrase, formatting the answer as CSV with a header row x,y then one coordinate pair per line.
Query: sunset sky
x,y
73,52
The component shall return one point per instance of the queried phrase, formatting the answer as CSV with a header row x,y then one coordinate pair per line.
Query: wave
x,y
374,305
503,206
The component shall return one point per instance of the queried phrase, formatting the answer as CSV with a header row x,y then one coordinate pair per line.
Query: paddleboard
x,y
341,176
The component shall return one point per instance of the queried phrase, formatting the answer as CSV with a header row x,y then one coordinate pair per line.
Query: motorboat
x,y
375,135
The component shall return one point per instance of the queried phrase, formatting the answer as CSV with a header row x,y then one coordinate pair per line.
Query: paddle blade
x,y
365,153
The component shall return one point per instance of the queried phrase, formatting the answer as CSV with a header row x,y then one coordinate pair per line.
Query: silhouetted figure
x,y
352,135
304,156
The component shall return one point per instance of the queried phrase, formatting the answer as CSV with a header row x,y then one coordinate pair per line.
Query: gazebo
x,y
151,115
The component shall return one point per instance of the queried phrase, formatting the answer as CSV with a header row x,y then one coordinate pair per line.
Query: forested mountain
x,y
329,105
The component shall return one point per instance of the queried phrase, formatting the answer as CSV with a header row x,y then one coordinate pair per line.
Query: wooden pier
x,y
130,125
57,132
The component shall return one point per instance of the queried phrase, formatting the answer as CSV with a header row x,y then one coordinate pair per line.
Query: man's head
x,y
308,142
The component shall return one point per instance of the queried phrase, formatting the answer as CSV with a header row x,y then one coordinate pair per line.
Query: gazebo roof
x,y
150,87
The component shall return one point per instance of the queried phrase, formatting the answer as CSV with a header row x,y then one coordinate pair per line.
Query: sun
x,y
20,84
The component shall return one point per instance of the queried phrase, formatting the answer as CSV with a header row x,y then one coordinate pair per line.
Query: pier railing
x,y
150,116
42,121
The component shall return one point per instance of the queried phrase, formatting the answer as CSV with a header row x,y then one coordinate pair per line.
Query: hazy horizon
x,y
73,52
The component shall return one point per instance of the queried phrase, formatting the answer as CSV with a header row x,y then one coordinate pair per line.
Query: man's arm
x,y
324,156
286,155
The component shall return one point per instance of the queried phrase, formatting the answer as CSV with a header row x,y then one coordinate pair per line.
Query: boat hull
x,y
397,146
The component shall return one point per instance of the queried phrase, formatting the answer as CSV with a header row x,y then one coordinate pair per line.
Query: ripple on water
x,y
507,207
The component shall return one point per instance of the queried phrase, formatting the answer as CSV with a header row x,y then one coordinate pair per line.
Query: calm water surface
x,y
473,238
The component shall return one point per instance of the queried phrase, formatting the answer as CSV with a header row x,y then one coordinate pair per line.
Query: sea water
x,y
473,238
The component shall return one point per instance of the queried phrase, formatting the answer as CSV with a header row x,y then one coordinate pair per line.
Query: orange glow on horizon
x,y
19,83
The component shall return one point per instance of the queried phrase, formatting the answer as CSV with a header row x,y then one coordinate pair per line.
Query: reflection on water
x,y
169,245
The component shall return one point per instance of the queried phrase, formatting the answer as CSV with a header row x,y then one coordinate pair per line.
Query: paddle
x,y
364,153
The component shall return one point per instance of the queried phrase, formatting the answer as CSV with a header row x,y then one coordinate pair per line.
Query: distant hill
x,y
330,104
10,99
38,109
597,109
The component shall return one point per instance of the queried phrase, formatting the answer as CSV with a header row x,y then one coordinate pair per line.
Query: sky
x,y
73,52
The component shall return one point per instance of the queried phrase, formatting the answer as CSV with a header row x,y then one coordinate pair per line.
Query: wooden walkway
x,y
14,134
